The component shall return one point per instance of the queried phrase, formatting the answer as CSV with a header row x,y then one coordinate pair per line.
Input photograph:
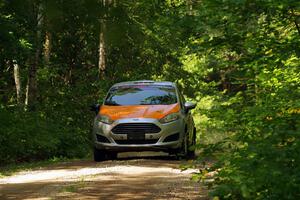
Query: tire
x,y
191,153
183,151
112,155
99,155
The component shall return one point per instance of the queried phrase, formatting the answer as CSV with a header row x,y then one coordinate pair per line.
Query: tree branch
x,y
295,20
297,26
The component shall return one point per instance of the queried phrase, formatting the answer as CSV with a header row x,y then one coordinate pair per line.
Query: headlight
x,y
105,119
169,118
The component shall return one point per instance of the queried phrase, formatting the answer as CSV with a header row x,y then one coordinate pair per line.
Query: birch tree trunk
x,y
102,63
102,49
31,89
47,47
17,81
189,7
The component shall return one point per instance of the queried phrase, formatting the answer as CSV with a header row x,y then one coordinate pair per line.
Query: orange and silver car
x,y
143,116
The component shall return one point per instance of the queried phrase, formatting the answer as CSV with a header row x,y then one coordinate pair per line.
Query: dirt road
x,y
145,177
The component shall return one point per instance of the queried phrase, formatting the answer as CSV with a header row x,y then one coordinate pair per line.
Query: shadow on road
x,y
131,176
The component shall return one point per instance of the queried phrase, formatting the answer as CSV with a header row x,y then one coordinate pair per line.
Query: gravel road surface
x,y
131,176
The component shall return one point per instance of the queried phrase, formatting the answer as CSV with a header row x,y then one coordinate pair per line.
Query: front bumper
x,y
159,141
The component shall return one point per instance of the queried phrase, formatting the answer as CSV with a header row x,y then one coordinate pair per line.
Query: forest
x,y
238,59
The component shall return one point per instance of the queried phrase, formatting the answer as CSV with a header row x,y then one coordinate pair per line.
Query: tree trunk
x,y
102,49
31,89
102,64
17,81
189,7
47,47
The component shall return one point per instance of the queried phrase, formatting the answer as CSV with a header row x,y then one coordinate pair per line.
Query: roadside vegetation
x,y
239,60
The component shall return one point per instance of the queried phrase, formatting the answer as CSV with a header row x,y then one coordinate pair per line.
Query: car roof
x,y
145,82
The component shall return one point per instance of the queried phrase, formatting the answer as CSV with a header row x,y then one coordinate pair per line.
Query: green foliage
x,y
35,136
253,58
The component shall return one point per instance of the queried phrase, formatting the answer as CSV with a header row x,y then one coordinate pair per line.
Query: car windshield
x,y
141,95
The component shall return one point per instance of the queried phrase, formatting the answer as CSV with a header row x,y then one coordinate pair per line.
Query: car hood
x,y
138,111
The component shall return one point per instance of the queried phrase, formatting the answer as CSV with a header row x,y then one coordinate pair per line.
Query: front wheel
x,y
183,151
187,149
191,148
101,155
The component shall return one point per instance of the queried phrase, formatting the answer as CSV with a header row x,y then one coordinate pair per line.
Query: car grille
x,y
142,128
152,141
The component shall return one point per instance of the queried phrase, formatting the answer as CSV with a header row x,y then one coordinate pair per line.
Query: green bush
x,y
29,136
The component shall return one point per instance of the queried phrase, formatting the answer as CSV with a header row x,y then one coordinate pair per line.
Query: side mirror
x,y
95,108
189,106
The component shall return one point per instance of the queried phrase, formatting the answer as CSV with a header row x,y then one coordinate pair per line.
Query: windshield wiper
x,y
111,103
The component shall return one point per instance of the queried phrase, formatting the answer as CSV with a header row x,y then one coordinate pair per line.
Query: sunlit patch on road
x,y
125,178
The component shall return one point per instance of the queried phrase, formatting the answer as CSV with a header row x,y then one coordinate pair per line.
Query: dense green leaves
x,y
251,48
